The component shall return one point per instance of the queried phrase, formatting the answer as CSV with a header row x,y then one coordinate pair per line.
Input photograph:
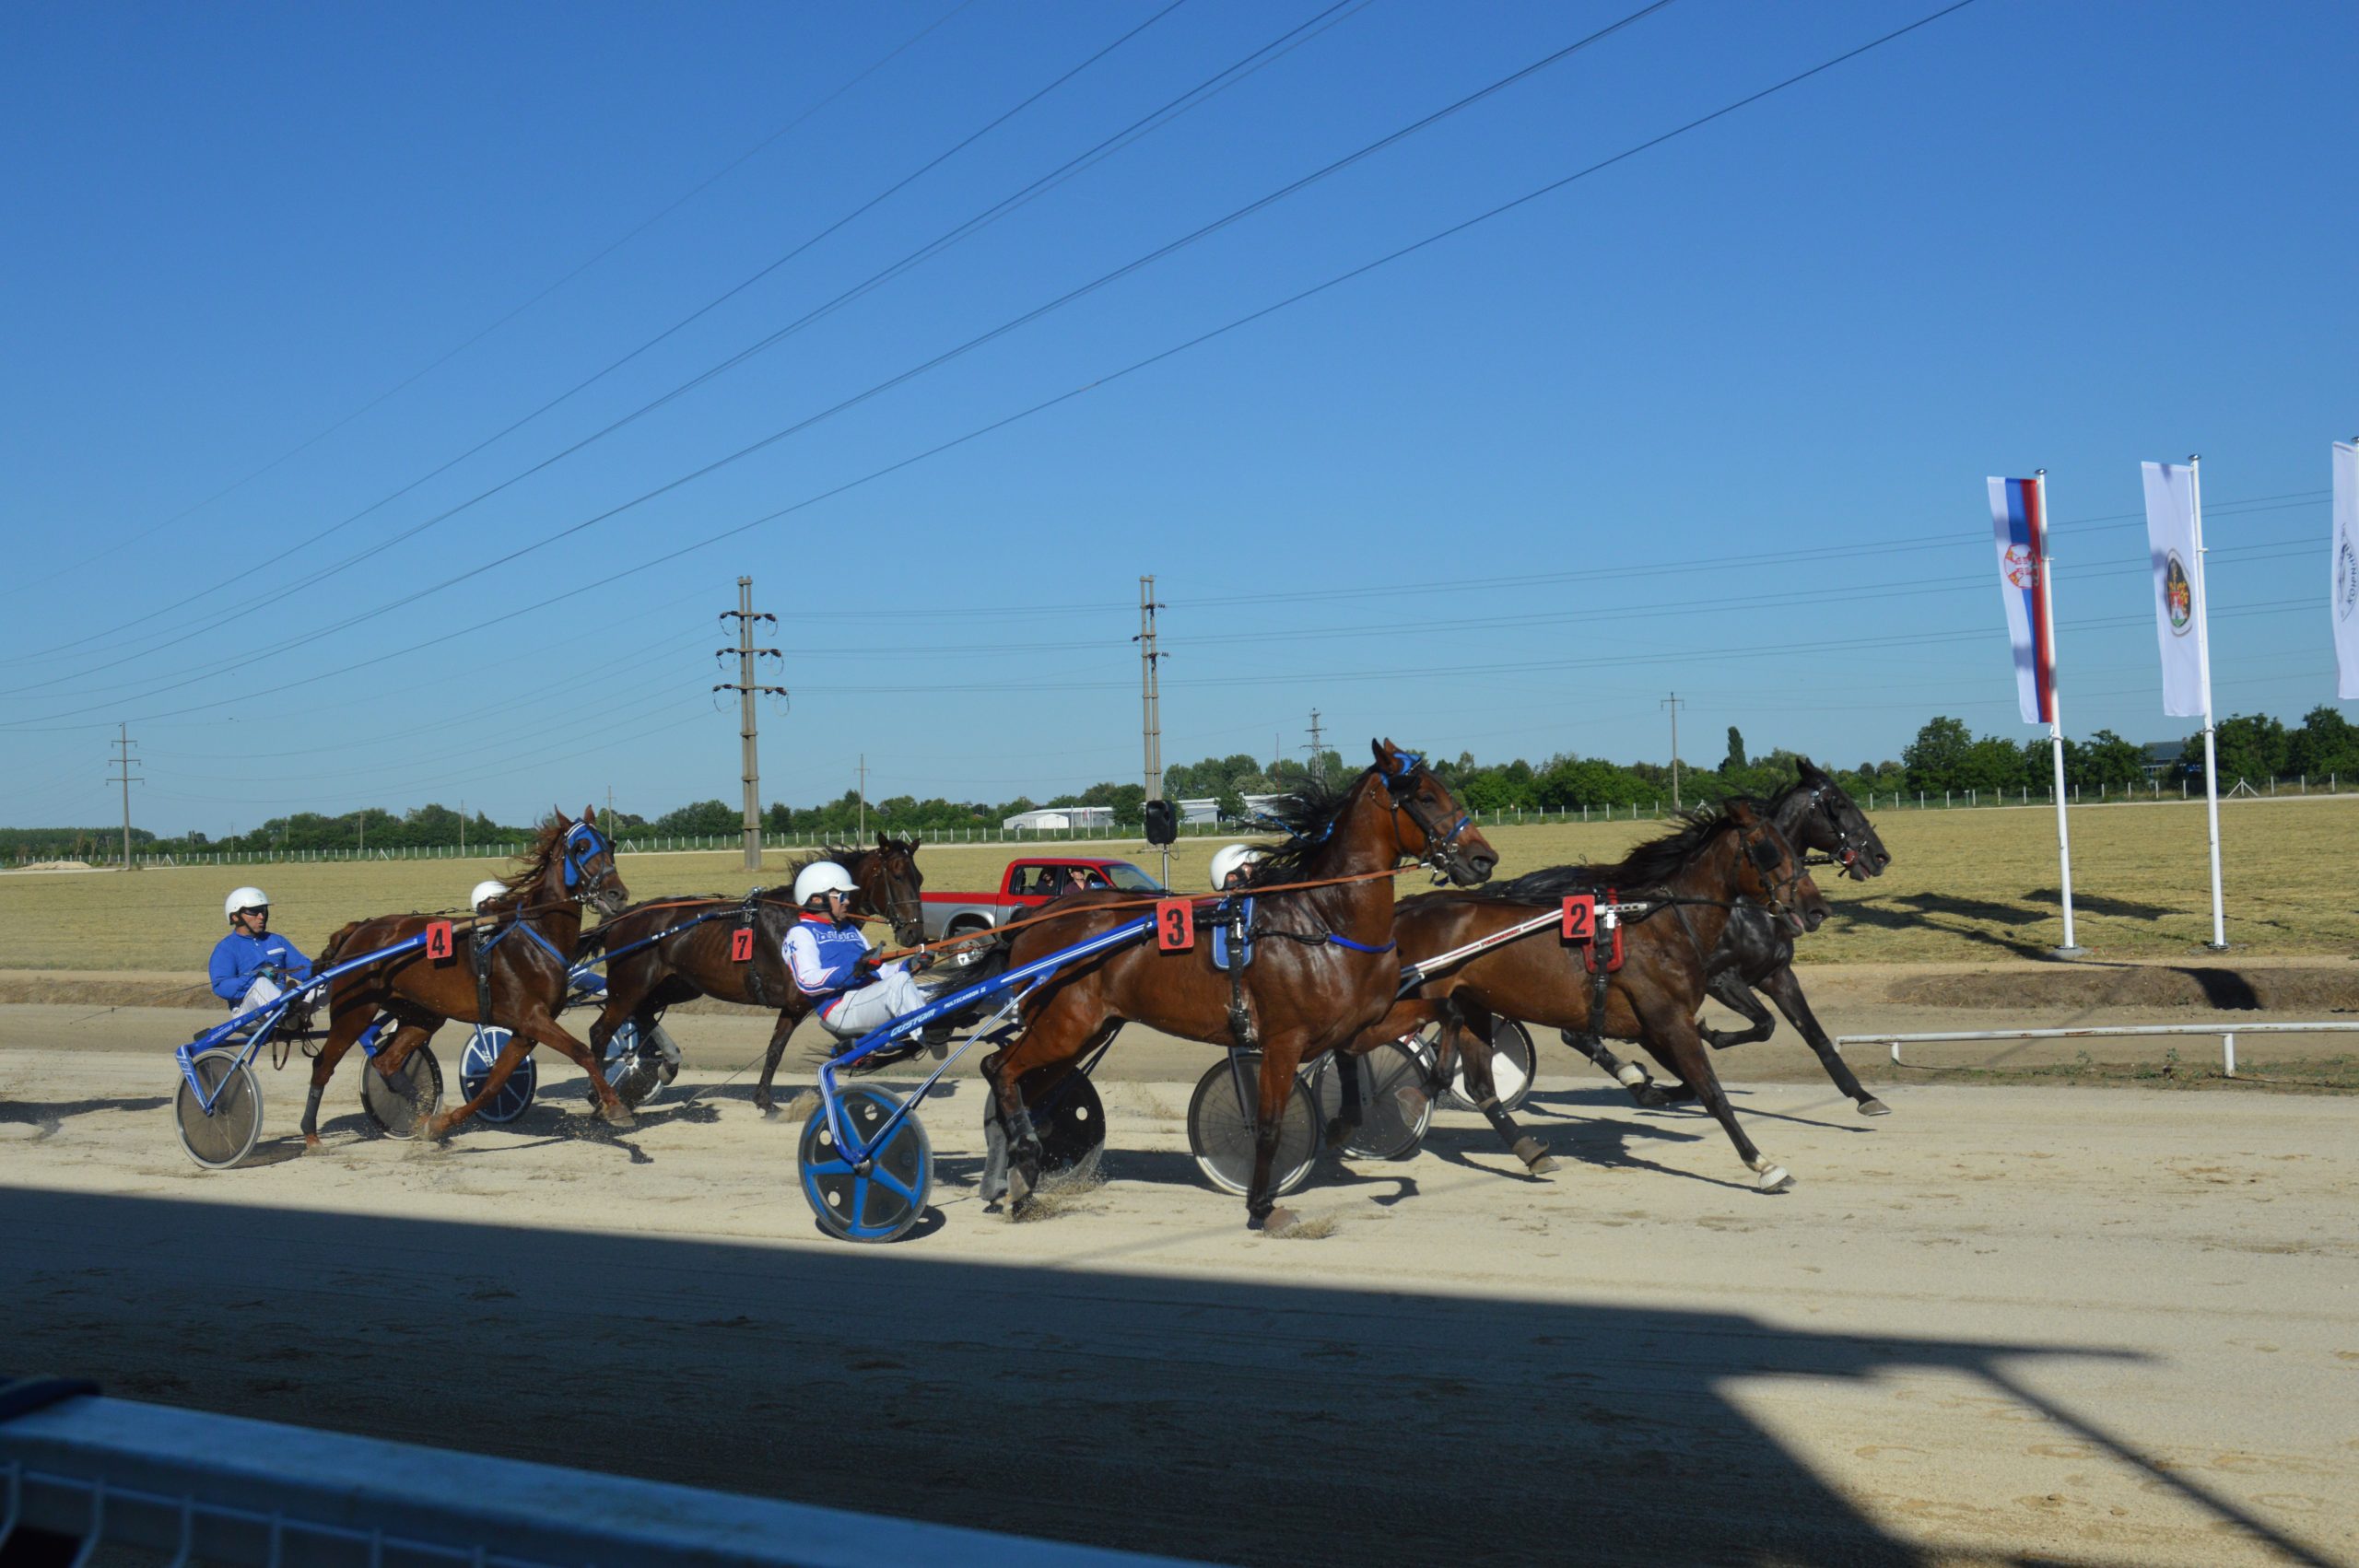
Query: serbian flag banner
x,y
2342,572
2021,524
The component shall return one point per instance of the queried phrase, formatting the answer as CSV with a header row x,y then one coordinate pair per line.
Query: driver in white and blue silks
x,y
253,966
831,959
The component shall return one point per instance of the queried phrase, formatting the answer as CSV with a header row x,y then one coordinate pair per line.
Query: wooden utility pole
x,y
747,689
863,797
1672,702
124,762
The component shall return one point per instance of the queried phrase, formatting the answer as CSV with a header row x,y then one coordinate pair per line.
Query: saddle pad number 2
x,y
1581,918
741,946
1175,925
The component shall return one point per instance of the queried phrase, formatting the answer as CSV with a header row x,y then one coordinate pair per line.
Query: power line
x,y
450,354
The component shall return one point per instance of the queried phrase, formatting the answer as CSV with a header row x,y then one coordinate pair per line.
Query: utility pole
x,y
1318,756
124,762
747,689
1151,705
1671,702
462,828
863,797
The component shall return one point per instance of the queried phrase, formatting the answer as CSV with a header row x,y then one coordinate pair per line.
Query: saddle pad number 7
x,y
1175,925
1580,916
741,946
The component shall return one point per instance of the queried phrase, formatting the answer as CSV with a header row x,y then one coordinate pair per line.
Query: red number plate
x,y
437,939
741,946
1175,925
1581,918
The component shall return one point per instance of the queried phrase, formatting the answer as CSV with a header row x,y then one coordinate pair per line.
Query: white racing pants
x,y
261,993
872,1006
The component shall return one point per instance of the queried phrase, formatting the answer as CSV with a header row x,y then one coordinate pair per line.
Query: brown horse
x,y
1693,879
690,953
526,935
1322,971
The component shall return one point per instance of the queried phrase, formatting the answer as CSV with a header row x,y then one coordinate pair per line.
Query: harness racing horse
x,y
692,954
1698,878
1756,952
507,968
1323,970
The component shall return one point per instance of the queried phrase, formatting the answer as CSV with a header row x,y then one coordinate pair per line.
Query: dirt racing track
x,y
2001,1325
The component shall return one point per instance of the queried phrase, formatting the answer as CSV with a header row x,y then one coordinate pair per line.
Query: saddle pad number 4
x,y
1580,916
438,946
741,946
1175,925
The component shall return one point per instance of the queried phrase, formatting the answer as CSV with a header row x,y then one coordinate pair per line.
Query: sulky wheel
x,y
515,1096
1392,1124
1220,1127
1513,1066
394,1115
633,1066
225,1134
885,1197
1069,1117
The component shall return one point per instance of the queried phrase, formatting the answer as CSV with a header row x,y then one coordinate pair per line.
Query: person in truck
x,y
831,959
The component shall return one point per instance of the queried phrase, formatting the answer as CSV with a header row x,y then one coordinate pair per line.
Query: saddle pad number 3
x,y
741,946
1175,925
1581,918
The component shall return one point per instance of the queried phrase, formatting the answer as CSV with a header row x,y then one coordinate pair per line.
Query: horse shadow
x,y
1950,914
49,1117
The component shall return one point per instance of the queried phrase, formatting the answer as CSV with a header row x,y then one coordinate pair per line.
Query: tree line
x,y
1945,757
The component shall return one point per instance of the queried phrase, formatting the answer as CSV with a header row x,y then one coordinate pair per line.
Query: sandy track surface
x,y
1998,1326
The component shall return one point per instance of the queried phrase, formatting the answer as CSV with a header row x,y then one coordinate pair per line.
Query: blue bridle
x,y
584,844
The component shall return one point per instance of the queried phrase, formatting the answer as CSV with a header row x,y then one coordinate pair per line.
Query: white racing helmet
x,y
491,887
245,898
1231,857
821,876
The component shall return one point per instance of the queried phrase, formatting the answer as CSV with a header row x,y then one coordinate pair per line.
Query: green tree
x,y
1736,751
1936,759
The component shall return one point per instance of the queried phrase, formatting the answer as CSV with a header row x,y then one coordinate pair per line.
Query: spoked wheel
x,y
1391,1126
882,1201
633,1065
1220,1129
1513,1064
1069,1117
515,1096
393,1116
218,1139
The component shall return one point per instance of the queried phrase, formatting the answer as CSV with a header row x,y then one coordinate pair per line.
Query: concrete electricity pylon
x,y
747,689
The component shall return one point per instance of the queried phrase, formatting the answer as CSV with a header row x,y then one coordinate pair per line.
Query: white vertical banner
x,y
2173,539
2342,570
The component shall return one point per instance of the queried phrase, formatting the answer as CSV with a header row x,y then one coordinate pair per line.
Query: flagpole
x,y
2055,714
2203,669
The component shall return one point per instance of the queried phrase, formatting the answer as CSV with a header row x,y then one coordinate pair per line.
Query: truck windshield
x,y
1130,879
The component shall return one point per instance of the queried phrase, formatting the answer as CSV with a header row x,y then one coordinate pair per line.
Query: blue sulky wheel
x,y
884,1201
515,1096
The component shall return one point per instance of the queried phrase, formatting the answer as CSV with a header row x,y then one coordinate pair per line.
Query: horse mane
x,y
1308,813
841,854
1653,862
531,861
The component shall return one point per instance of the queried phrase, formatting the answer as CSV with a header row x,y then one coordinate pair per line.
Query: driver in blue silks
x,y
253,966
831,959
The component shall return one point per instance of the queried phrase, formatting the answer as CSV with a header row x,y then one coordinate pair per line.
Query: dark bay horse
x,y
1756,952
644,977
1323,967
1698,877
528,935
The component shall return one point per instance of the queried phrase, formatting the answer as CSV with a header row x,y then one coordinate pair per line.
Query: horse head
x,y
1831,822
889,878
1427,821
1770,873
585,864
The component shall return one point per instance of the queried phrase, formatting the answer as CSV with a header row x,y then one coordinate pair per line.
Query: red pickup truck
x,y
1027,885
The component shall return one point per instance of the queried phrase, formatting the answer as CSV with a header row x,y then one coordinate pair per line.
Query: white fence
x,y
223,1490
2226,1031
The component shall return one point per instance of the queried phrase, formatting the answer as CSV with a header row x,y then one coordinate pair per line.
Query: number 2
x,y
1580,916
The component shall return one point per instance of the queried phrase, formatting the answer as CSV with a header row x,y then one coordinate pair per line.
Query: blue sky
x,y
272,270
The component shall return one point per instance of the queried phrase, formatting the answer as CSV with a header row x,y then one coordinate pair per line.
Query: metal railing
x,y
2227,1033
218,1489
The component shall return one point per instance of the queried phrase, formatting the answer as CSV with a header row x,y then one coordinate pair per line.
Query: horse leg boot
x,y
1352,1113
1787,992
340,1039
1474,1020
1629,1074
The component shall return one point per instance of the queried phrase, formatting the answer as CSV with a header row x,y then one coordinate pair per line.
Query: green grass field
x,y
1964,885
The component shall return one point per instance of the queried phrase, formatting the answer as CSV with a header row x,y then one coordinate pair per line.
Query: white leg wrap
x,y
1630,1075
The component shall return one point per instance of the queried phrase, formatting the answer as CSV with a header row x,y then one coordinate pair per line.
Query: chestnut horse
x,y
1323,967
1696,879
1757,953
529,934
690,955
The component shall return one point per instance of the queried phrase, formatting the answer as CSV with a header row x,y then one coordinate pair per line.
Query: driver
x,y
1232,863
831,960
253,966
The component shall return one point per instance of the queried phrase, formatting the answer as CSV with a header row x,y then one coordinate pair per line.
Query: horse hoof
x,y
1774,1179
1276,1222
311,1145
1646,1094
1874,1106
1020,1183
617,1114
